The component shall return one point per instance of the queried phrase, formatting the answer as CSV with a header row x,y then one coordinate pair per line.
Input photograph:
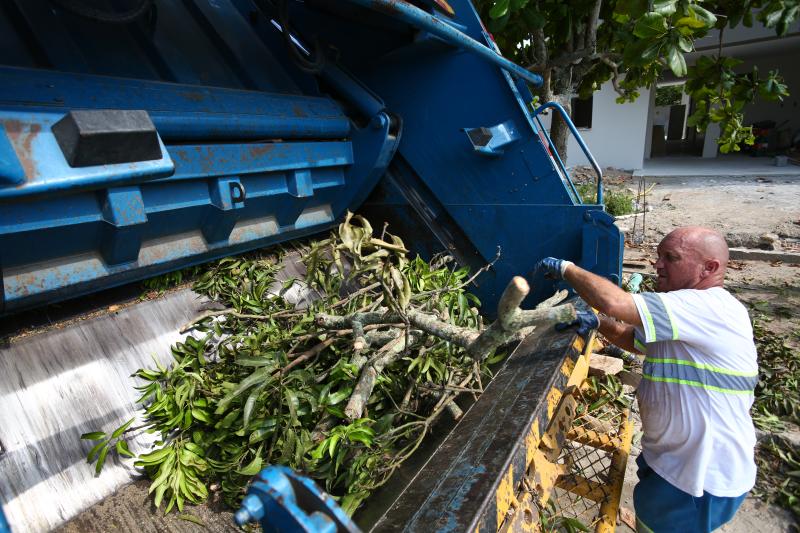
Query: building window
x,y
582,113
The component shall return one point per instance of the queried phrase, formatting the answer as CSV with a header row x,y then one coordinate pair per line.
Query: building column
x,y
710,146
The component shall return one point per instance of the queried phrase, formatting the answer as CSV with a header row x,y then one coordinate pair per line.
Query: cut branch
x,y
511,321
366,382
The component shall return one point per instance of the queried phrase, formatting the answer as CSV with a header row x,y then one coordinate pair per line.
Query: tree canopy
x,y
579,45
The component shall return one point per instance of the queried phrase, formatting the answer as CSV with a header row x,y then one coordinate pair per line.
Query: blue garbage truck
x,y
139,137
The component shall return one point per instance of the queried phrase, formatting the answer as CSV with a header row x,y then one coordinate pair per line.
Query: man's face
x,y
677,267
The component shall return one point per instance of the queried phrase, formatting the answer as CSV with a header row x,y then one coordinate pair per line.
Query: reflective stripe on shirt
x,y
699,375
639,341
659,324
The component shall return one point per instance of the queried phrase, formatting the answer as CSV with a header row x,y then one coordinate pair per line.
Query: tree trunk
x,y
559,132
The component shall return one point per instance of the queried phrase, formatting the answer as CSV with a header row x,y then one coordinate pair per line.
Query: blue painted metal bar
x,y
46,171
430,23
11,171
204,161
551,147
4,527
564,115
180,112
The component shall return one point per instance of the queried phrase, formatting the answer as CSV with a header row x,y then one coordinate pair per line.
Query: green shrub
x,y
617,203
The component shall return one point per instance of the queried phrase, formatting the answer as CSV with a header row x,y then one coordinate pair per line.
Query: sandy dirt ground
x,y
743,209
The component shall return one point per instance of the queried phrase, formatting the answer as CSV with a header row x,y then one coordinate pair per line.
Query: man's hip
x,y
662,507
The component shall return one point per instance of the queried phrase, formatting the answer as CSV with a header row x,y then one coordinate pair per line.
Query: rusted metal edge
x,y
470,482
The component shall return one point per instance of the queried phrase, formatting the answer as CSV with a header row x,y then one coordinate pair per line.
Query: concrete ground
x,y
722,166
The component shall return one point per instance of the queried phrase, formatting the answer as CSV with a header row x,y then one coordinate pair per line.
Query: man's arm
x,y
618,333
596,291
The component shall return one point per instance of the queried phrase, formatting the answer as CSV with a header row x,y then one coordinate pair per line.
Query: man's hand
x,y
553,268
585,321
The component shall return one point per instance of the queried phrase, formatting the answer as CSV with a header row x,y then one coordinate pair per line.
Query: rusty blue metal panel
x,y
35,150
11,171
179,112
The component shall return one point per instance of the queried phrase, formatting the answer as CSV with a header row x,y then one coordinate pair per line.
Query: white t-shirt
x,y
697,390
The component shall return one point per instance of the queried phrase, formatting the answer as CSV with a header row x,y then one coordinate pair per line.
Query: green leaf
x,y
255,361
250,381
94,435
676,61
332,441
192,518
499,9
361,435
122,449
685,44
155,457
251,402
665,7
292,403
335,411
650,25
690,22
120,430
95,450
339,396
201,414
496,358
704,15
351,501
101,459
771,17
252,468
642,52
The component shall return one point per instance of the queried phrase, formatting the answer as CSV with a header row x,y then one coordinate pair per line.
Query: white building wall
x,y
618,133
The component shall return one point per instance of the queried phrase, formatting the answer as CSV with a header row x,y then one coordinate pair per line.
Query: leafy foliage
x,y
779,475
263,383
720,95
775,410
669,95
578,46
168,280
617,203
778,389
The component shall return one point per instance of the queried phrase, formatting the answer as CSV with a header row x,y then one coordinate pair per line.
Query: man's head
x,y
691,258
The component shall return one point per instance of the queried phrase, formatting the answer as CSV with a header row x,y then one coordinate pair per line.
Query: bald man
x,y
699,374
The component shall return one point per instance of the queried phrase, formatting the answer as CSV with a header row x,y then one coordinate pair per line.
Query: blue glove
x,y
586,321
553,268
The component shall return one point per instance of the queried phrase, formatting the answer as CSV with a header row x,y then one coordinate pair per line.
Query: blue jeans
x,y
662,507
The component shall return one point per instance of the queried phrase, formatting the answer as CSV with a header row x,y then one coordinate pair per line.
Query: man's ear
x,y
710,267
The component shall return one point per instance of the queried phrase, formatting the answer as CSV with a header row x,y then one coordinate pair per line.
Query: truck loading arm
x,y
426,21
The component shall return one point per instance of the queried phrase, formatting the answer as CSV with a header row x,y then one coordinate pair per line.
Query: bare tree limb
x,y
591,28
369,375
510,320
540,47
554,300
615,75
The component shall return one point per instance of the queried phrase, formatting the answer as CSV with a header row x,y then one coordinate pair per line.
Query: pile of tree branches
x,y
342,386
